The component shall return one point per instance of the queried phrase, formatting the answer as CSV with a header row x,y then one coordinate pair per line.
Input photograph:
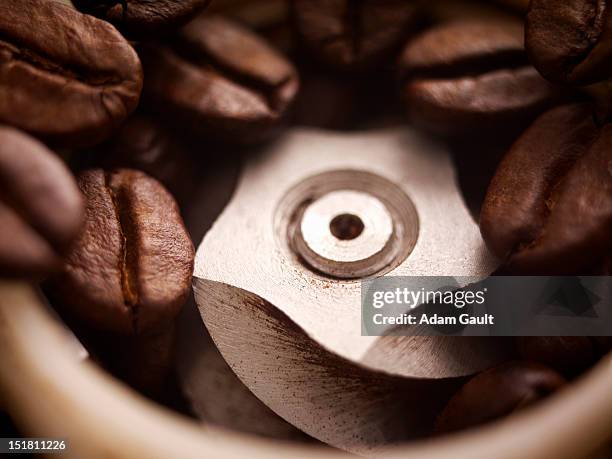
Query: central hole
x,y
346,227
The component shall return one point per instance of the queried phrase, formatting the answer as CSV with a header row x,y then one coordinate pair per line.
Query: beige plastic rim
x,y
50,394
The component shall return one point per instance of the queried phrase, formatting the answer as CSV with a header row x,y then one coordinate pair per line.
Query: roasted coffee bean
x,y
465,77
569,355
496,393
548,209
130,271
41,208
570,41
220,80
145,144
355,35
65,77
142,18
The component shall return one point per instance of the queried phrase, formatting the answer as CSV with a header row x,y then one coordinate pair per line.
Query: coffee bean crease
x,y
130,272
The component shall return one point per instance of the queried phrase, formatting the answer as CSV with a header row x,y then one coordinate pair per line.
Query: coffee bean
x,y
570,41
130,271
548,209
220,80
569,355
65,77
41,208
462,78
355,35
496,393
143,18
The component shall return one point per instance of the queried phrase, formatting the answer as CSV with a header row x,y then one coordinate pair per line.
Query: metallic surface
x,y
281,298
386,237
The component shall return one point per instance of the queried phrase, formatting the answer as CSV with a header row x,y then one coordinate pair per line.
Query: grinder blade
x,y
277,281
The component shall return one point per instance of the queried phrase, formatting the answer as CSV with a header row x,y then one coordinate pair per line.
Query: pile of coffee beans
x,y
111,110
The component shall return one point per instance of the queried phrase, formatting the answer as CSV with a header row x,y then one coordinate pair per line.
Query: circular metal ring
x,y
385,224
